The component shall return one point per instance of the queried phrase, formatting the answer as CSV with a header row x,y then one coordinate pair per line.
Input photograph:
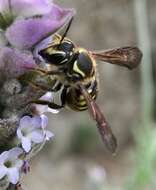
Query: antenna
x,y
66,31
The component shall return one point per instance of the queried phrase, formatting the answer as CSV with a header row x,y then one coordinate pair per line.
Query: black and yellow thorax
x,y
77,65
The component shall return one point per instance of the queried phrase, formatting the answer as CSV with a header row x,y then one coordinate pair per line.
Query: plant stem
x,y
147,89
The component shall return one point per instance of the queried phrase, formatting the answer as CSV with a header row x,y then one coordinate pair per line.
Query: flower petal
x,y
41,108
19,133
13,175
44,121
3,171
48,135
30,7
25,122
14,63
25,7
26,144
36,122
14,153
4,156
47,96
52,110
19,163
42,45
37,136
44,108
24,34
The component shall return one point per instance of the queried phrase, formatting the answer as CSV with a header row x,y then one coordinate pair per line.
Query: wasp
x,y
75,71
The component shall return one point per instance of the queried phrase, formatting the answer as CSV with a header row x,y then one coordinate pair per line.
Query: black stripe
x,y
57,86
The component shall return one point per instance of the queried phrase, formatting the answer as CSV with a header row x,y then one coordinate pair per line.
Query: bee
x,y
75,71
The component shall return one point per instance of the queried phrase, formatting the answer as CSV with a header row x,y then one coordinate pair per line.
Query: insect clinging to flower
x,y
74,70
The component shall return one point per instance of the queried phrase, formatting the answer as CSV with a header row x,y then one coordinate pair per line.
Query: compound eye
x,y
58,56
76,77
66,46
53,56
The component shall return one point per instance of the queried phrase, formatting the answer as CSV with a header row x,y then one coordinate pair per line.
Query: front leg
x,y
40,86
49,104
64,95
55,87
52,104
45,72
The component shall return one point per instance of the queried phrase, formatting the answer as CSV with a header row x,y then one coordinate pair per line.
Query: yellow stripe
x,y
76,69
93,97
81,97
51,51
82,103
81,108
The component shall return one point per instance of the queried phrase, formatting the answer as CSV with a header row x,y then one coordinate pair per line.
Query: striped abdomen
x,y
76,101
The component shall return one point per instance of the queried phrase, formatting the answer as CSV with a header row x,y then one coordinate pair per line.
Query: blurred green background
x,y
76,158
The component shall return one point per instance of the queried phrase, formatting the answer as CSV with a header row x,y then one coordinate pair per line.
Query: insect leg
x,y
54,72
45,72
56,86
41,87
52,104
63,96
49,104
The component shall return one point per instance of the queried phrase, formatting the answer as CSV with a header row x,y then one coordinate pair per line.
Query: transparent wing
x,y
128,57
103,127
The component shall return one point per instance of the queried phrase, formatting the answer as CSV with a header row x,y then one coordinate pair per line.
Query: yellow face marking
x,y
77,70
56,38
51,51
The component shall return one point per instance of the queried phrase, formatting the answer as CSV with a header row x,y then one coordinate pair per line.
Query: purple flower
x,y
14,63
28,22
24,7
31,131
25,23
25,33
3,40
16,9
10,164
44,108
